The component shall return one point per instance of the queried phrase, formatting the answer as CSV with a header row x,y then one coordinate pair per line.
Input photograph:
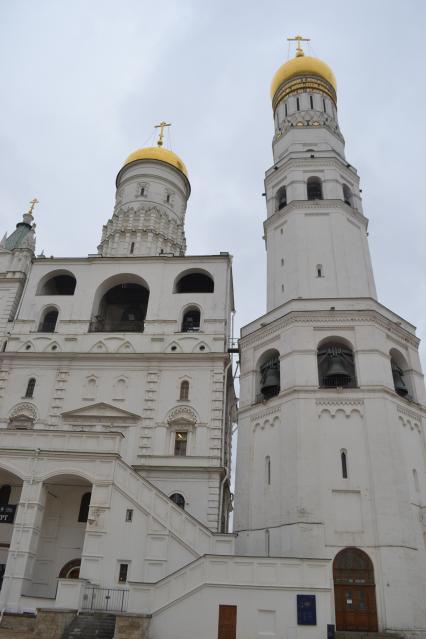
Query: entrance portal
x,y
354,591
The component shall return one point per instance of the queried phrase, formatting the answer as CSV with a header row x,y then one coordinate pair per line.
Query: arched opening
x,y
268,373
281,198
400,375
314,188
57,283
184,390
354,591
178,499
268,469
336,367
347,195
29,393
194,282
191,320
10,497
122,308
71,570
63,527
48,320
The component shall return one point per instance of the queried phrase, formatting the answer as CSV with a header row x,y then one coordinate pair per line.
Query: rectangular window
x,y
122,574
311,99
181,440
129,514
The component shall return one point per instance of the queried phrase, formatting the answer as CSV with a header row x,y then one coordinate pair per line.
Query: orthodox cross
x,y
33,203
161,126
298,39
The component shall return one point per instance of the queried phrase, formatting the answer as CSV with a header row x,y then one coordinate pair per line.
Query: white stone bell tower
x,y
150,205
331,450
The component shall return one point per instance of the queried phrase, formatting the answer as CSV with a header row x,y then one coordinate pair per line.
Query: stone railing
x,y
178,521
237,571
67,441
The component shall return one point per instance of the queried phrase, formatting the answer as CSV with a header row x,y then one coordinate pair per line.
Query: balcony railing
x,y
108,326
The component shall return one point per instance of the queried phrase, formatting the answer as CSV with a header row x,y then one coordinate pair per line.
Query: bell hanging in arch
x,y
270,384
398,381
338,372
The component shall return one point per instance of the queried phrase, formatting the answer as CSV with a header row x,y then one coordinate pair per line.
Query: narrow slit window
x,y
30,387
320,272
268,469
416,480
132,248
298,104
285,109
129,514
324,105
168,198
311,100
142,191
344,460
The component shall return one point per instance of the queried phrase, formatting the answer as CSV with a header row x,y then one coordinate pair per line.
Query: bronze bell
x,y
337,373
270,382
398,381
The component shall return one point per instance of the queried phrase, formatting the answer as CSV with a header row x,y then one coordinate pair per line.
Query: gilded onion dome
x,y
302,73
160,154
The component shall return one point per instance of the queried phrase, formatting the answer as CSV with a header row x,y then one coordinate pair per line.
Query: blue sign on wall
x,y
7,514
306,610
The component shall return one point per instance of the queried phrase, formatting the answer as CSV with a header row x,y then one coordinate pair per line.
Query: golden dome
x,y
302,65
160,154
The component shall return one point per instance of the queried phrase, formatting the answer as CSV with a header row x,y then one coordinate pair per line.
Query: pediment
x,y
101,413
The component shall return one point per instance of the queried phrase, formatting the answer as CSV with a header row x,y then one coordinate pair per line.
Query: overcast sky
x,y
83,82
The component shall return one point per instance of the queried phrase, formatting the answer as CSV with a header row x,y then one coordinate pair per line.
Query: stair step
x,y
91,626
346,634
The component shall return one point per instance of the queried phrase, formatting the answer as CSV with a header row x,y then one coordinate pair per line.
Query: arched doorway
x,y
354,591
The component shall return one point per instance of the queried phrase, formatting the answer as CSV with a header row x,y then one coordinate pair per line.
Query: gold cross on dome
x,y
33,203
299,39
161,126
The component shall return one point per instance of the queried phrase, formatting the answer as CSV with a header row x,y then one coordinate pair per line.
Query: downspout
x,y
225,399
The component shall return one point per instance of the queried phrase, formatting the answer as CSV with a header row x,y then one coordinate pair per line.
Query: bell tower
x,y
331,457
315,231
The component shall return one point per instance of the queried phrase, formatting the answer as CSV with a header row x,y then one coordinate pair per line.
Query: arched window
x,y
347,195
320,270
61,283
268,469
344,461
83,513
30,387
194,282
281,198
48,322
178,499
5,491
71,570
314,188
184,390
269,375
336,365
401,381
191,321
181,442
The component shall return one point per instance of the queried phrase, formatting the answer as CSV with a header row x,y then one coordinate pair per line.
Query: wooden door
x,y
355,607
227,622
354,591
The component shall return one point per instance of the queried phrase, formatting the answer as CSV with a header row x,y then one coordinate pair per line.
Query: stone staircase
x,y
91,626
